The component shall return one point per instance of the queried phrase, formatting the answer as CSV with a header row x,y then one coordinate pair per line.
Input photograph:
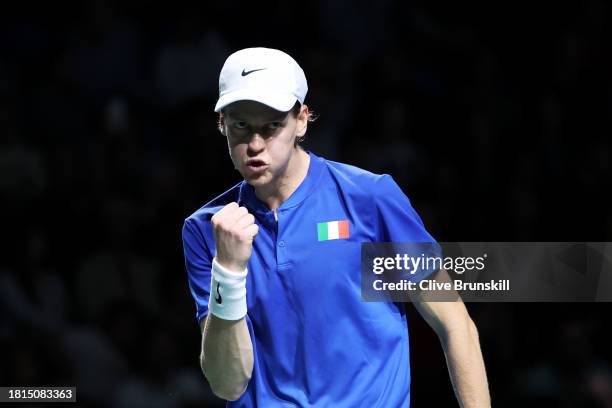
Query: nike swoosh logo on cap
x,y
245,73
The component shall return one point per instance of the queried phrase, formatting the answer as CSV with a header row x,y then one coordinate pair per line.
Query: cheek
x,y
279,150
237,151
283,144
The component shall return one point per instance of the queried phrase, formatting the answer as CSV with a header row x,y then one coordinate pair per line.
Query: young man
x,y
274,264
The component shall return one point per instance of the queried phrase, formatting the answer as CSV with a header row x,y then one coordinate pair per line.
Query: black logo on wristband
x,y
218,298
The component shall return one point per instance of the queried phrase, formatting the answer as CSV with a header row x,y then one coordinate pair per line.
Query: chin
x,y
257,180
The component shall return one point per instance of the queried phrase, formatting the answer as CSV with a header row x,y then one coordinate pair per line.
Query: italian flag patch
x,y
333,230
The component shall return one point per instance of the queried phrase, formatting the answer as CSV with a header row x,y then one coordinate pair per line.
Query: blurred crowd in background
x,y
495,120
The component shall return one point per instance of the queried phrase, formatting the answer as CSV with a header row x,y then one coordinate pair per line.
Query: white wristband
x,y
227,293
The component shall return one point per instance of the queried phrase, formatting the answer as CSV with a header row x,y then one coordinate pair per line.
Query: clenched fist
x,y
235,230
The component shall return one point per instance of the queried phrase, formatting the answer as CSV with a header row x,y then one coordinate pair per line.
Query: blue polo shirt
x,y
315,343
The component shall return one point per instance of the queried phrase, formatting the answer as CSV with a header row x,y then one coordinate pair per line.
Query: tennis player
x,y
274,264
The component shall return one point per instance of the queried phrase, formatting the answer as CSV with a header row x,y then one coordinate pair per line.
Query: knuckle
x,y
222,226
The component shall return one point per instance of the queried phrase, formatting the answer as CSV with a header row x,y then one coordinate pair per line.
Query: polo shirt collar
x,y
248,198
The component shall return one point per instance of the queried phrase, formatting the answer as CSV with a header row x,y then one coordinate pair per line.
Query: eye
x,y
274,125
240,125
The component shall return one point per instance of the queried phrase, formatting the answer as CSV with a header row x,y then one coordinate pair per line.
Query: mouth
x,y
256,165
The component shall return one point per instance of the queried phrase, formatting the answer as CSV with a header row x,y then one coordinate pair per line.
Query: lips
x,y
256,165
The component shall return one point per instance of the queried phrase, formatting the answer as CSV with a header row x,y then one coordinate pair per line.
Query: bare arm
x,y
227,356
459,338
227,351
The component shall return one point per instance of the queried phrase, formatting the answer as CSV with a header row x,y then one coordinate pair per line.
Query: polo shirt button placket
x,y
281,245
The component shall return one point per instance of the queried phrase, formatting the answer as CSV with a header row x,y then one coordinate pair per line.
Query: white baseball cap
x,y
263,75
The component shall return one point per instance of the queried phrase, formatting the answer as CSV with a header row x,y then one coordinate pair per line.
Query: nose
x,y
256,144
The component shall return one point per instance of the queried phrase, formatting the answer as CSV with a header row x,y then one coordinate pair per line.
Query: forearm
x,y
227,356
466,365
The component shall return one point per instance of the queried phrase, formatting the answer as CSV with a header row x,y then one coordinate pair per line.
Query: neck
x,y
280,189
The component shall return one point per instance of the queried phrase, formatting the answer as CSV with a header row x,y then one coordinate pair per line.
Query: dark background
x,y
494,119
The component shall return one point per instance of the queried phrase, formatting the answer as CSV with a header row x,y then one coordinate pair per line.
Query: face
x,y
261,140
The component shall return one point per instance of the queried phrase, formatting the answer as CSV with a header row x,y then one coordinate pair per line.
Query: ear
x,y
302,121
221,123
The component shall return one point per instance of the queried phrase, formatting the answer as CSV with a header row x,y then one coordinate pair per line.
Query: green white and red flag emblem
x,y
333,230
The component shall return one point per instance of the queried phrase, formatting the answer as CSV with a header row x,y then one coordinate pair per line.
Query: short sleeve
x,y
198,261
398,222
396,219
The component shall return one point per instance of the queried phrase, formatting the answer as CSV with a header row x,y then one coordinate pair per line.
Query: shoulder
x,y
202,215
360,181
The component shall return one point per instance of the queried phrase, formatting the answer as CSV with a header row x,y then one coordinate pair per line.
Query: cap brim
x,y
282,103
